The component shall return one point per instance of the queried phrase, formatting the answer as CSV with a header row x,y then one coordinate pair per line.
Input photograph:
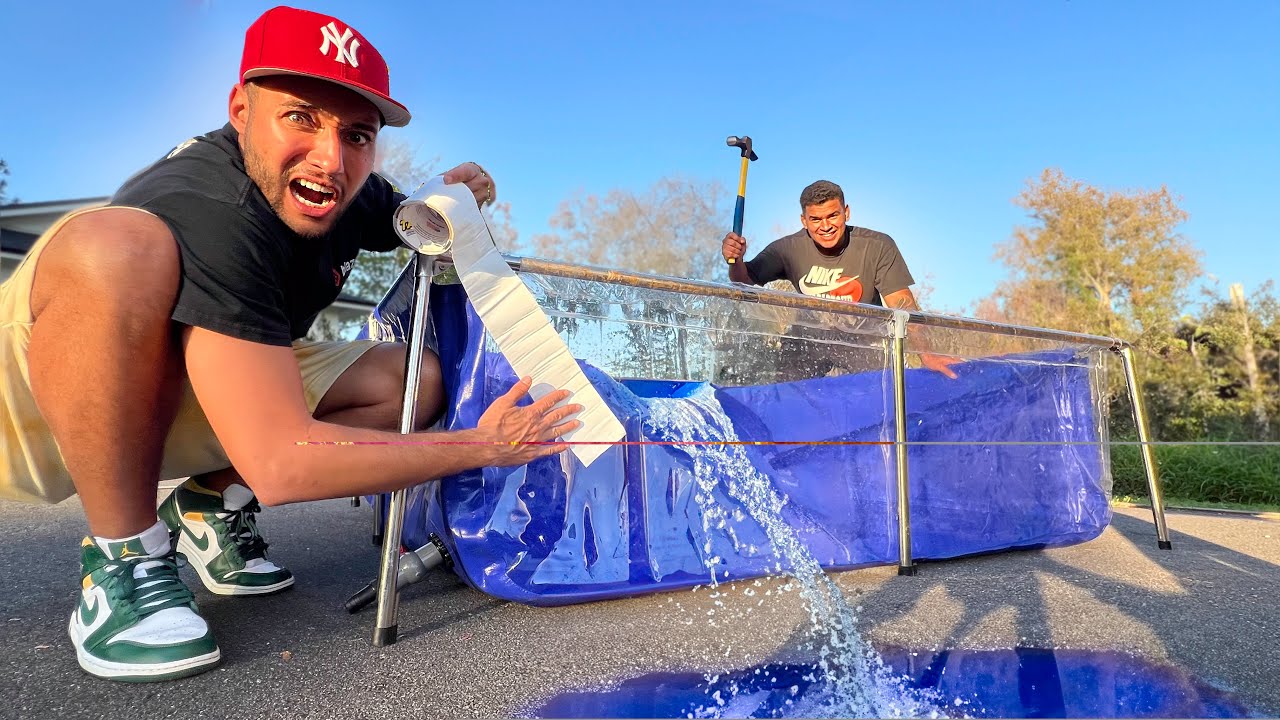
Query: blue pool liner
x,y
1027,469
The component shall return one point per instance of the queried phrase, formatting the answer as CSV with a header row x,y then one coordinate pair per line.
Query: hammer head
x,y
742,143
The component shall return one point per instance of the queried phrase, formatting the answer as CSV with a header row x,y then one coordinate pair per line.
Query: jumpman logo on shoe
x,y
135,619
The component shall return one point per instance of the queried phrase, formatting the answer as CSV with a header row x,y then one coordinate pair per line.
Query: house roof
x,y
45,207
22,223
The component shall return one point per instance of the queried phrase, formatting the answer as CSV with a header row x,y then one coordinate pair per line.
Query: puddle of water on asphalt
x,y
1018,682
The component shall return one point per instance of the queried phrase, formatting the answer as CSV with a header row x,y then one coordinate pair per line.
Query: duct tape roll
x,y
441,218
423,228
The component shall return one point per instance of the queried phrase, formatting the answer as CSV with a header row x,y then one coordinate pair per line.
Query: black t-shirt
x,y
244,272
868,267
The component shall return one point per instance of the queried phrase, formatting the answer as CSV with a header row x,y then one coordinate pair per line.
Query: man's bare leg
x,y
218,532
368,395
106,374
106,366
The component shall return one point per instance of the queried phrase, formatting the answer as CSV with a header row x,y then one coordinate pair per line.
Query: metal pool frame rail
x,y
427,267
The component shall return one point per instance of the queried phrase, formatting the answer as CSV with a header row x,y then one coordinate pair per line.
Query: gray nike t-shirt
x,y
870,266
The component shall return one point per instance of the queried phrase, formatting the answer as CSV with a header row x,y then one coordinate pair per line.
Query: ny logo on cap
x,y
344,54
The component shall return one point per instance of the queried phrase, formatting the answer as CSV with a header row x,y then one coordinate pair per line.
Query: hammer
x,y
744,144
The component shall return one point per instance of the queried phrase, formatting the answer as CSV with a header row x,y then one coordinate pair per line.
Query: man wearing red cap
x,y
159,337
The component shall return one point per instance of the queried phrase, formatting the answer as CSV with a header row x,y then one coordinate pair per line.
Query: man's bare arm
x,y
252,395
904,299
734,248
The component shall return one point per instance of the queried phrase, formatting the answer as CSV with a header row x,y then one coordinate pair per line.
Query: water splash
x,y
854,680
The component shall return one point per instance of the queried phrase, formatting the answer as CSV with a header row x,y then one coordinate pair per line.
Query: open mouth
x,y
312,194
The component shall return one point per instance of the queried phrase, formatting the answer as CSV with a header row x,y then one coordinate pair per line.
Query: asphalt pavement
x,y
1208,606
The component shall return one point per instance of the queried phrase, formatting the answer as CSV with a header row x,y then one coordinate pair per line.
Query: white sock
x,y
155,540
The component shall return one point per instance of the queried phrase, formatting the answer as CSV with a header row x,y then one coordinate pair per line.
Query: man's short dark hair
x,y
821,192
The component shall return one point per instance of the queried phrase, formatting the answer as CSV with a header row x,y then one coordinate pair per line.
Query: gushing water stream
x,y
852,680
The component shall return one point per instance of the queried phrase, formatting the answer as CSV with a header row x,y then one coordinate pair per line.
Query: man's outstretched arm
x,y
252,395
904,299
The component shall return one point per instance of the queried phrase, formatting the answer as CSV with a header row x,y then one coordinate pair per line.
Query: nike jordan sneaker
x,y
136,621
217,535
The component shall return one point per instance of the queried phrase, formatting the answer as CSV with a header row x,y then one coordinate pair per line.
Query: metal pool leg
x,y
1148,454
381,503
899,359
384,633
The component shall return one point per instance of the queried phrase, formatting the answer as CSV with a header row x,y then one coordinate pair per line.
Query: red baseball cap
x,y
288,41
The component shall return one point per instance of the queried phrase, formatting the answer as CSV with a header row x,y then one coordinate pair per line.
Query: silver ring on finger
x,y
488,184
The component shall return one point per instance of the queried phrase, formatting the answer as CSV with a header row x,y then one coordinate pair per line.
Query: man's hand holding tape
x,y
479,182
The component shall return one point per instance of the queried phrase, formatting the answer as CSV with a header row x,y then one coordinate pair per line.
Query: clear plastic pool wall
x,y
737,409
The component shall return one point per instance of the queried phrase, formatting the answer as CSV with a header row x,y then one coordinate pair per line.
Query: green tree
x,y
1234,347
1112,263
1097,261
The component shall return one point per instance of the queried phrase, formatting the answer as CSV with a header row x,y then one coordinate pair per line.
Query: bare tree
x,y
402,165
672,228
4,183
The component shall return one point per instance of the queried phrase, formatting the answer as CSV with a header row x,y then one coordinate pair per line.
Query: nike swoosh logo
x,y
88,611
810,289
201,542
841,289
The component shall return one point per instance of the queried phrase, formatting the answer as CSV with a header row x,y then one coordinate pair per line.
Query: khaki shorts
x,y
31,465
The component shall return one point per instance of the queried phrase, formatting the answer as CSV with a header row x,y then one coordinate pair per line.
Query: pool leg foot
x,y
384,636
1165,544
906,569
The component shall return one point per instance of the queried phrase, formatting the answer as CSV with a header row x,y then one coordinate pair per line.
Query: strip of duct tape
x,y
441,218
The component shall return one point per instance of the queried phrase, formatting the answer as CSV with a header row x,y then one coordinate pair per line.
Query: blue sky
x,y
932,115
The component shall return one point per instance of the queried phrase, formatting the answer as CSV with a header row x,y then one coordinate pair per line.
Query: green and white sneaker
x,y
216,534
136,621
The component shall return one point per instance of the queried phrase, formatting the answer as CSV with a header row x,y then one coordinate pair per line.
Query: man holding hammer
x,y
832,259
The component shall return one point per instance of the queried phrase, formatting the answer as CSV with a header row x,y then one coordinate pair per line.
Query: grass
x,y
1232,475
1177,502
